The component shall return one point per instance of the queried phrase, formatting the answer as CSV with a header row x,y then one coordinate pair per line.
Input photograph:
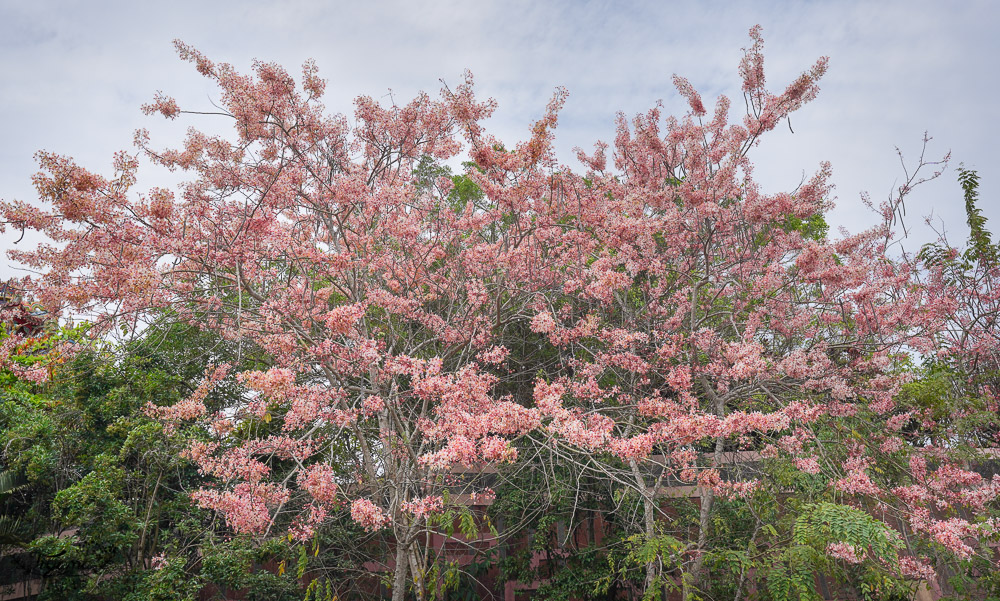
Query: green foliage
x,y
813,227
820,524
980,249
741,536
980,243
463,189
320,590
104,492
942,393
792,575
663,550
171,581
10,525
106,525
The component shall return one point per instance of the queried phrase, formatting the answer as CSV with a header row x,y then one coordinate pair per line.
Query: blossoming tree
x,y
699,320
685,313
377,301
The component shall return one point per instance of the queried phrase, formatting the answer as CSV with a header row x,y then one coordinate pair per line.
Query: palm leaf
x,y
10,525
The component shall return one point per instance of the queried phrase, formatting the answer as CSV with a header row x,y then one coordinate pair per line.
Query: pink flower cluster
x,y
373,405
857,481
303,527
340,320
274,383
494,355
483,496
952,534
425,506
319,480
246,507
368,515
844,552
809,465
919,569
543,323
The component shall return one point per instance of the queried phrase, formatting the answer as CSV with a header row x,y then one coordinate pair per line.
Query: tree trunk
x,y
707,499
704,521
649,517
401,571
418,572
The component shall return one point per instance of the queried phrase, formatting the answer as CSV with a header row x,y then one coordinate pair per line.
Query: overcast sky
x,y
73,75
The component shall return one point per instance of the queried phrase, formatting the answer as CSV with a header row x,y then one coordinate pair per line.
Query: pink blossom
x,y
810,465
543,323
425,506
497,450
319,480
844,552
164,105
917,568
340,320
495,354
373,404
951,533
673,307
367,515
